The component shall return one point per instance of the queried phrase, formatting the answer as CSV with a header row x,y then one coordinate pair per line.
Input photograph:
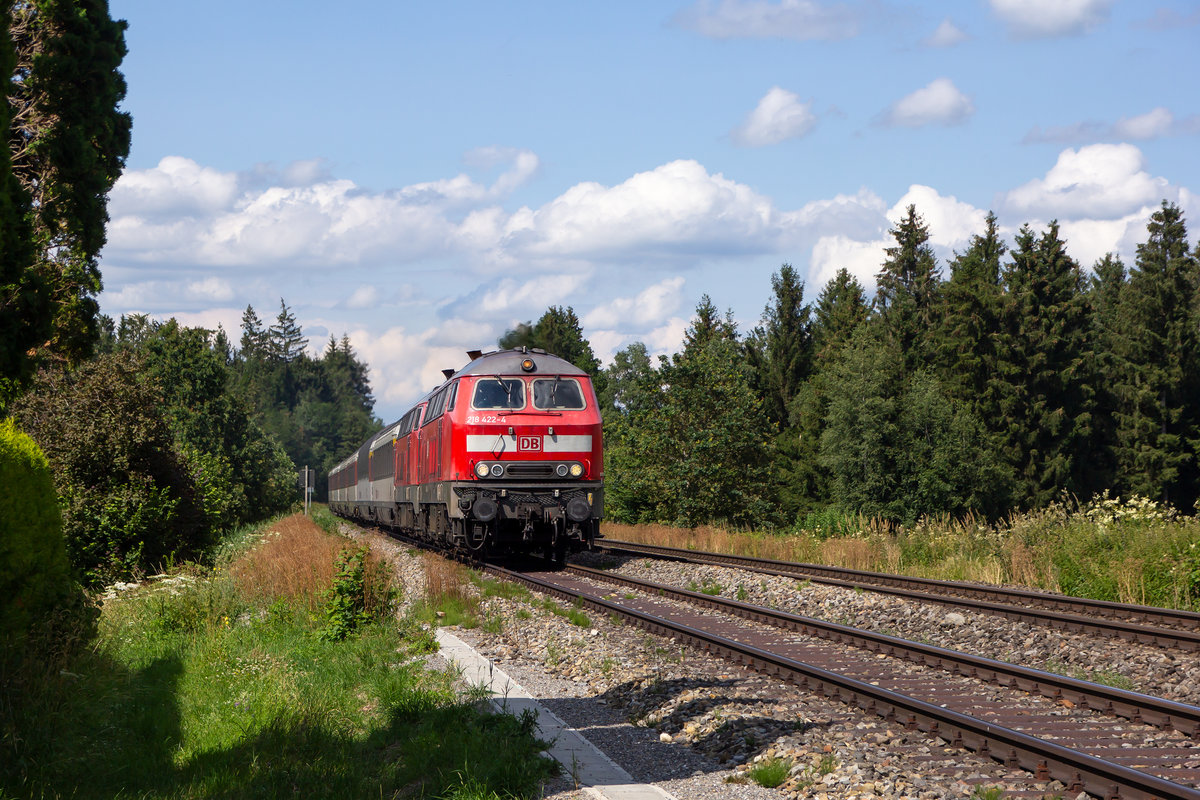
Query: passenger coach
x,y
506,456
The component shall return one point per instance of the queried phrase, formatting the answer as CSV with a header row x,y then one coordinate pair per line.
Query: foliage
x,y
68,144
557,331
129,503
197,690
770,772
1158,380
43,613
25,319
360,593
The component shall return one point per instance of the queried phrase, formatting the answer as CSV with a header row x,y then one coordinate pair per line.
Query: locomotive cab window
x,y
498,393
557,393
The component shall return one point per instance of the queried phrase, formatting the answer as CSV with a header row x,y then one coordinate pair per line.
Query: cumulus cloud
x,y
1101,181
779,115
951,222
1039,19
939,103
365,296
677,209
211,288
648,308
800,20
1154,124
947,35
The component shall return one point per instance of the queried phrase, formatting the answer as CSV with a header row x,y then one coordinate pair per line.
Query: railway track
x,y
1109,742
1163,627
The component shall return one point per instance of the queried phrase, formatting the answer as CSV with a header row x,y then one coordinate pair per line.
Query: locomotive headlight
x,y
528,366
497,470
576,470
561,469
481,470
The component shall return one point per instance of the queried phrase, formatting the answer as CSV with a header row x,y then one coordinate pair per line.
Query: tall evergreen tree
x,y
254,341
1105,294
841,307
1043,378
1158,438
24,299
68,144
779,350
285,339
970,323
907,288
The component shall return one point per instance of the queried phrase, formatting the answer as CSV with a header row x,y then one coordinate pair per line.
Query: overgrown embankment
x,y
281,671
1131,551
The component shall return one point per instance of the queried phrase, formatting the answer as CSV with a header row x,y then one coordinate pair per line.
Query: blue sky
x,y
421,177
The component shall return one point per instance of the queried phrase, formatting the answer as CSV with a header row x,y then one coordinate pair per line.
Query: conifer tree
x,y
966,346
841,307
285,339
779,350
254,337
1043,380
557,331
68,144
1106,294
907,288
1159,401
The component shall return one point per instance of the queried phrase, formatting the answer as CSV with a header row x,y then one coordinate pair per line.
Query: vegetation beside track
x,y
1127,551
227,681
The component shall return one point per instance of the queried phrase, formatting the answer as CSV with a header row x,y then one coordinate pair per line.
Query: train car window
x,y
436,406
452,396
498,393
557,393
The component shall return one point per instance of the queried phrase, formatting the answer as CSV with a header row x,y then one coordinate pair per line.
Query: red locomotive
x,y
504,457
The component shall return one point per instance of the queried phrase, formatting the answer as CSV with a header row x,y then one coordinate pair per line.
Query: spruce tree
x,y
1159,399
1043,381
970,323
557,331
68,144
907,289
1106,296
841,307
779,350
285,339
254,337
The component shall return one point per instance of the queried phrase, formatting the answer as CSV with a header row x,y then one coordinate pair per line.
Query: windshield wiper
x,y
507,387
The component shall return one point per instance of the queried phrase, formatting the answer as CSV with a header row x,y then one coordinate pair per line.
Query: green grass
x,y
203,694
771,773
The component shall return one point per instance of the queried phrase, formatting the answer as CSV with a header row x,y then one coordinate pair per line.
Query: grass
x,y
220,686
1130,550
770,772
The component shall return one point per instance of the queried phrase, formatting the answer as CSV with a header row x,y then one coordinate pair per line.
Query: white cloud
x,y
1154,124
649,307
800,20
779,115
177,186
365,296
1103,181
677,209
860,258
211,288
939,103
951,222
1150,125
947,35
1038,18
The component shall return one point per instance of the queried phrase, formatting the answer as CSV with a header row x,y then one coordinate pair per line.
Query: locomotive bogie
x,y
505,456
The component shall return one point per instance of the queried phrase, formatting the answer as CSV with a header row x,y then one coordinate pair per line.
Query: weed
x,y
770,772
742,594
987,793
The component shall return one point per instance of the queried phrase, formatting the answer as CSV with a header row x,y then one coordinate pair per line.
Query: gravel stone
x,y
696,725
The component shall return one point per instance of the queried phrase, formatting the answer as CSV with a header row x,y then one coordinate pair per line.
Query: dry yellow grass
x,y
296,561
444,579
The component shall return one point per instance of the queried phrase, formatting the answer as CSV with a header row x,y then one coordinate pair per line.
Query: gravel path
x,y
695,725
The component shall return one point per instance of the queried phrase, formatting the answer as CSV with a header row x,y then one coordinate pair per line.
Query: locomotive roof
x,y
508,362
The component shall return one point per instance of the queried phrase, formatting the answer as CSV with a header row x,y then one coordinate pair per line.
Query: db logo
x,y
529,443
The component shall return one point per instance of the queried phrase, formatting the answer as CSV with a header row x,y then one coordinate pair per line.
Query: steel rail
x,y
1009,607
1135,706
1045,759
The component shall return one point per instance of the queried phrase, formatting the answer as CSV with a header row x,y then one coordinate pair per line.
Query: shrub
x,y
128,501
44,615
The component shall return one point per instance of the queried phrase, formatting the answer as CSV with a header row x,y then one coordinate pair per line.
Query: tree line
x,y
1013,380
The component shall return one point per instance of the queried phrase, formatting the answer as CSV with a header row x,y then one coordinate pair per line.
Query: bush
x,y
128,501
35,575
